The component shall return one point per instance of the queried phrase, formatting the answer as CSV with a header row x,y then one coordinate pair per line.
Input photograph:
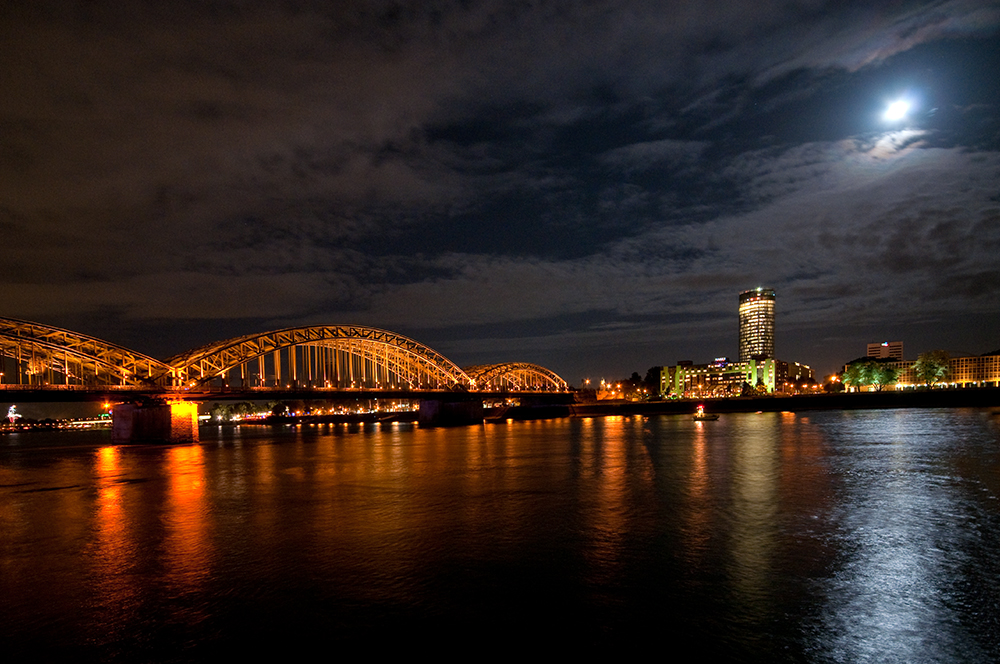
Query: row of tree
x,y
869,372
227,412
930,369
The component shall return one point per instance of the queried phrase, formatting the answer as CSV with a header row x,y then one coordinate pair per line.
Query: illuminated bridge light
x,y
334,357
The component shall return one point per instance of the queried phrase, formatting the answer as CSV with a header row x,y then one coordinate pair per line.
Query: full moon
x,y
897,110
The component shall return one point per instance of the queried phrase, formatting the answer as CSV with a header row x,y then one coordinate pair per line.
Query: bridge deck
x,y
76,393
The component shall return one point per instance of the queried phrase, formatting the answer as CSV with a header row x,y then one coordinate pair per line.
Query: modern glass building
x,y
757,324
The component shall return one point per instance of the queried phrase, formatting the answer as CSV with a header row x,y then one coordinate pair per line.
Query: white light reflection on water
x,y
908,528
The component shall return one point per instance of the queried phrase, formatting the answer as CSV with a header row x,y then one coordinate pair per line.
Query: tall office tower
x,y
756,324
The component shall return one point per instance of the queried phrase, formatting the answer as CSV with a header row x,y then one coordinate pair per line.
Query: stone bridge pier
x,y
154,422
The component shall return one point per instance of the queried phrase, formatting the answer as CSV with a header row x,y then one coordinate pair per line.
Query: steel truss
x,y
514,376
50,355
369,356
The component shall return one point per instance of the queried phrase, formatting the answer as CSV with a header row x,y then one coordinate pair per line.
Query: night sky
x,y
585,185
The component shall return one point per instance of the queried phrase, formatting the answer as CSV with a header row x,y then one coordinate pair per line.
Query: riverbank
x,y
50,425
346,418
985,397
957,398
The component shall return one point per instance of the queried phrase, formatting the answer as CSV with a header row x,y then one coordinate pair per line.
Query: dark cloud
x,y
493,177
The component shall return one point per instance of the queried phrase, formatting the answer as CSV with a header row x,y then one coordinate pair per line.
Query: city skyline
x,y
581,187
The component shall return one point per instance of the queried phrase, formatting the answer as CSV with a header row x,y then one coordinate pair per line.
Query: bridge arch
x,y
515,377
336,357
46,355
323,356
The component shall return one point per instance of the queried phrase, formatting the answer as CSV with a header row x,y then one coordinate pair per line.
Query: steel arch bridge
x,y
325,358
515,377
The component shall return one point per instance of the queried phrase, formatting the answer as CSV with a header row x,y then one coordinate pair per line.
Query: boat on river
x,y
701,416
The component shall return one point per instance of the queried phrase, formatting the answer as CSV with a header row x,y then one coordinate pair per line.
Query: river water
x,y
848,536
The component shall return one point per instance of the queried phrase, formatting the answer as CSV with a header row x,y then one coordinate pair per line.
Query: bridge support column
x,y
158,422
442,413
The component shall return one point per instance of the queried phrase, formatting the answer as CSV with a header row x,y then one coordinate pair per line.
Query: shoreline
x,y
985,397
979,397
982,397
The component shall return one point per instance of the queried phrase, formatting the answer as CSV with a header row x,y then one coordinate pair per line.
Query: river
x,y
837,536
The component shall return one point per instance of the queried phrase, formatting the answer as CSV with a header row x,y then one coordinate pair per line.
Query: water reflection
x,y
698,510
606,459
113,551
758,537
187,541
754,510
910,534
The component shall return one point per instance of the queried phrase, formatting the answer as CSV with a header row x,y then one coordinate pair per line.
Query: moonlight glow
x,y
897,110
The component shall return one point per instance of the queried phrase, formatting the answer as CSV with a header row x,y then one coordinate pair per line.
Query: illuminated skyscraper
x,y
756,324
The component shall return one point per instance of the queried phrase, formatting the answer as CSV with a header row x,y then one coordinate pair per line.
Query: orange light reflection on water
x,y
114,544
609,465
697,525
187,542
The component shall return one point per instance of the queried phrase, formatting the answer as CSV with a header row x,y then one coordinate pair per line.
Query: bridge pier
x,y
445,413
154,422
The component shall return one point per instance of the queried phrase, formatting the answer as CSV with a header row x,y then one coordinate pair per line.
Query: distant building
x,y
723,378
886,349
793,373
756,324
720,378
968,371
975,371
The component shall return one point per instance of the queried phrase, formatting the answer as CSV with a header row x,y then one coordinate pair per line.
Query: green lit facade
x,y
721,378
